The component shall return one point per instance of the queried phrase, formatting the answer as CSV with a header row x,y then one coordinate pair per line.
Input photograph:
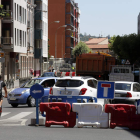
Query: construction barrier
x,y
58,114
69,99
59,74
138,109
123,115
91,114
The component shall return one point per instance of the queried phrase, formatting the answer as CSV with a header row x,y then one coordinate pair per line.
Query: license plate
x,y
117,95
12,99
65,92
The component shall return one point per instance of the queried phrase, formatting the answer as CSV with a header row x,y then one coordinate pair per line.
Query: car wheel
x,y
31,102
14,105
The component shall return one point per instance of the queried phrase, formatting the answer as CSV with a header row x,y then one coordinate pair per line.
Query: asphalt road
x,y
15,125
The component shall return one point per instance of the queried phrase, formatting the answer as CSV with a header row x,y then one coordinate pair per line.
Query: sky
x,y
108,17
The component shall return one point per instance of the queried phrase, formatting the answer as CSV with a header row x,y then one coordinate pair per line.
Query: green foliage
x,y
2,12
126,47
81,48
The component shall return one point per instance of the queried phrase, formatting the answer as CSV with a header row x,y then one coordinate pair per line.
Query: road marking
x,y
5,113
15,119
36,91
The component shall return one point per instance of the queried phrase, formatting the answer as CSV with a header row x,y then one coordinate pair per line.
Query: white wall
x,y
20,26
45,28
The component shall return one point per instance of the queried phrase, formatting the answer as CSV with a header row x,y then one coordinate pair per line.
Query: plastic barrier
x,y
59,74
138,109
123,115
91,114
58,114
69,99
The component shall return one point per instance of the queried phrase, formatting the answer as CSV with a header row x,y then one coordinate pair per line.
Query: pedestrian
x,y
2,85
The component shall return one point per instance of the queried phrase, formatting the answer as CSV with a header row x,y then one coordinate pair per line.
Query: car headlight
x,y
25,91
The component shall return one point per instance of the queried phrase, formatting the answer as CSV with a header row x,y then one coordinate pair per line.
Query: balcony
x,y
38,34
38,15
37,53
7,40
8,18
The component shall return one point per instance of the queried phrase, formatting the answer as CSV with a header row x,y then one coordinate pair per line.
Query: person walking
x,y
2,85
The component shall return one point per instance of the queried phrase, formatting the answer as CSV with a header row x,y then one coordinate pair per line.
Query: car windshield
x,y
122,86
48,74
31,83
69,83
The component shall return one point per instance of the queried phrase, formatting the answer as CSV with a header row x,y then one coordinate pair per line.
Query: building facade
x,y
41,36
17,38
98,45
68,13
139,23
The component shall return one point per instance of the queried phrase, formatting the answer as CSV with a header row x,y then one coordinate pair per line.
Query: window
x,y
25,39
48,83
122,86
15,11
92,84
25,16
20,38
136,87
15,36
69,83
20,17
31,83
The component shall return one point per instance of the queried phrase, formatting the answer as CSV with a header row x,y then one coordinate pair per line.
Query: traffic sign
x,y
105,90
1,54
36,91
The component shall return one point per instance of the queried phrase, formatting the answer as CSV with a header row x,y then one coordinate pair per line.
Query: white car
x,y
75,86
126,92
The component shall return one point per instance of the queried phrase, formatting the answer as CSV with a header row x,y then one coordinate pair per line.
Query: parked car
x,y
75,86
22,95
126,92
48,74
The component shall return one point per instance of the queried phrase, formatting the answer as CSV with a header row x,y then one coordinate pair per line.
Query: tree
x,y
126,47
81,48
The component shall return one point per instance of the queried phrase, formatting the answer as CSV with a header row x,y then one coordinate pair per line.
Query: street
x,y
15,125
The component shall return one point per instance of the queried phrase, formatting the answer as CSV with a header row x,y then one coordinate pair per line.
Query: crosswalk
x,y
19,119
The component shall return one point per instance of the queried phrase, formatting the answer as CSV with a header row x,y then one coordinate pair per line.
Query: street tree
x,y
81,48
126,47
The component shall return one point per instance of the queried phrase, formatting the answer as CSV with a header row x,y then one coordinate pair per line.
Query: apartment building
x,y
17,38
68,13
41,36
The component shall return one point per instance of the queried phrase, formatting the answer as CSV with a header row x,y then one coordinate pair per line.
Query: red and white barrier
x,y
59,74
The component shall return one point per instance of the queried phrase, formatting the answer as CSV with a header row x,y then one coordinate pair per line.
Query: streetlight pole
x,y
53,22
62,39
56,43
48,52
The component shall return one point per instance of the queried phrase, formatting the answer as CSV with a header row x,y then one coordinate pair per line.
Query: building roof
x,y
95,40
105,46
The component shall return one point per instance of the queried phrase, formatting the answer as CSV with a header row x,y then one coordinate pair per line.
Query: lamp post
x,y
56,42
62,39
40,48
48,26
53,22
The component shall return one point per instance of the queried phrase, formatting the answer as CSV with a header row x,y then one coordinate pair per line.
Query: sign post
x,y
105,90
37,91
